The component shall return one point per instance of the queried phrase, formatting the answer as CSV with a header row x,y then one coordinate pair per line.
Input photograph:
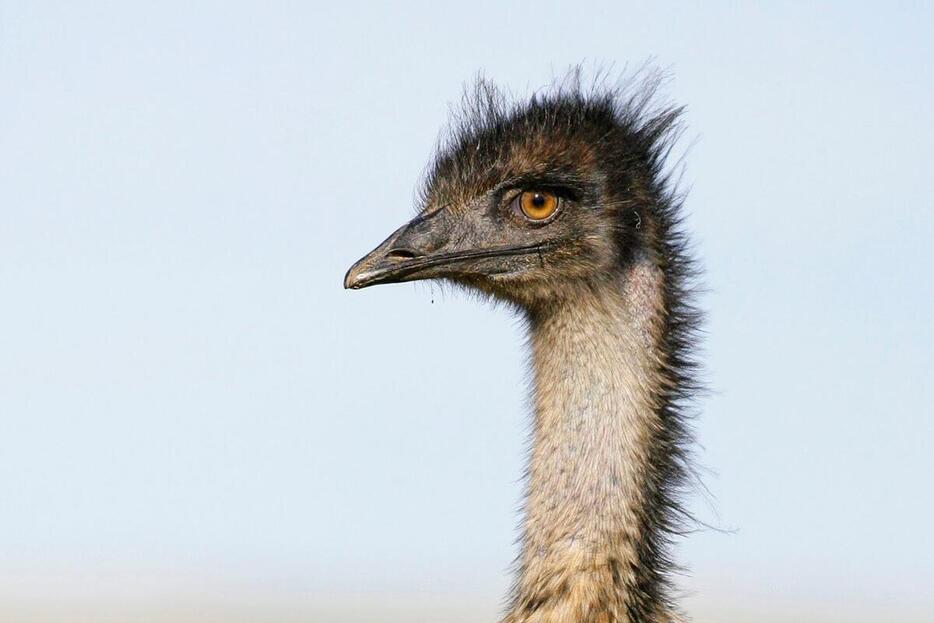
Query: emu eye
x,y
537,205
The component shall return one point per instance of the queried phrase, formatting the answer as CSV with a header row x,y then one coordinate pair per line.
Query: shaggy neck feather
x,y
595,397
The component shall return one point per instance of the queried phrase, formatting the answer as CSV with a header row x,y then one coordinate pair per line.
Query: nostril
x,y
401,254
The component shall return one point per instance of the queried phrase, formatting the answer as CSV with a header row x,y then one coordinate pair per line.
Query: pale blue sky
x,y
187,392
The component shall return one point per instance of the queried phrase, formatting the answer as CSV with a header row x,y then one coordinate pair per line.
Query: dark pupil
x,y
538,200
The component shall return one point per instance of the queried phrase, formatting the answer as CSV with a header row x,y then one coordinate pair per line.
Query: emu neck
x,y
596,396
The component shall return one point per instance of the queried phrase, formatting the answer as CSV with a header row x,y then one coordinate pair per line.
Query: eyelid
x,y
559,190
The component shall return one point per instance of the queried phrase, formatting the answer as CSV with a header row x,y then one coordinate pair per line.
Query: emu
x,y
561,206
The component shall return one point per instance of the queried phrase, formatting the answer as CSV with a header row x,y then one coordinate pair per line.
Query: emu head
x,y
531,202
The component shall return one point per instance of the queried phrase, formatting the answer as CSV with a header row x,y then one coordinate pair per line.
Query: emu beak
x,y
438,245
410,253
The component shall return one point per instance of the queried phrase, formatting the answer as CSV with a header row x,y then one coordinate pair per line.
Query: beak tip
x,y
357,275
350,280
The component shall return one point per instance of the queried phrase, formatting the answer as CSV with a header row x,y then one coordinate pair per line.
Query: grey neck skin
x,y
595,396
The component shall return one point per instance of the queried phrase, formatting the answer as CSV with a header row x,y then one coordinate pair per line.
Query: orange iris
x,y
537,205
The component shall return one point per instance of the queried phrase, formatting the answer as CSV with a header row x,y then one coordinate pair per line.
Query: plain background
x,y
198,423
